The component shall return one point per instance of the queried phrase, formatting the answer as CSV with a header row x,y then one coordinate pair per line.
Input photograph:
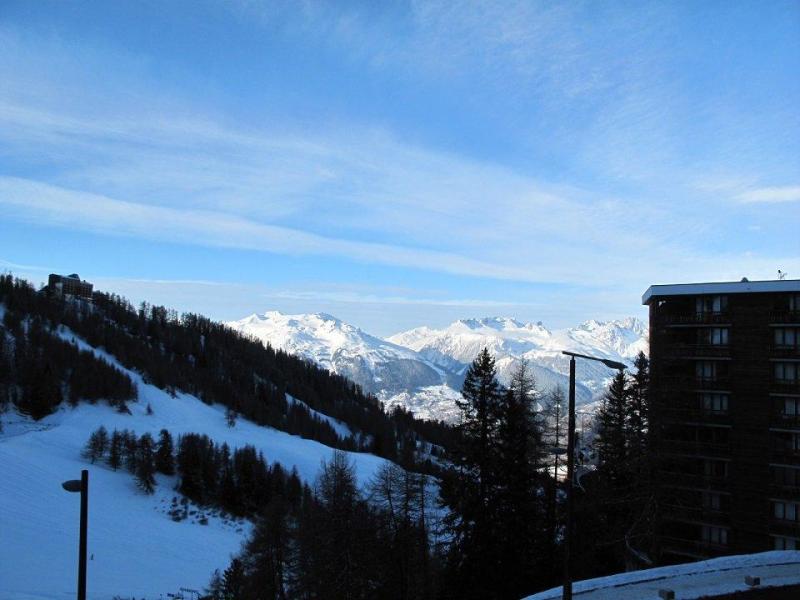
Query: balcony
x,y
721,382
782,351
697,351
695,514
782,420
684,448
777,317
695,412
694,319
693,481
784,449
785,386
674,383
692,548
784,527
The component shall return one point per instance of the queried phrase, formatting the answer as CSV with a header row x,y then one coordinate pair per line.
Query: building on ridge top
x,y
69,285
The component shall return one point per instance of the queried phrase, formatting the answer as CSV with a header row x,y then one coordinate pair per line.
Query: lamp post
x,y
567,586
81,485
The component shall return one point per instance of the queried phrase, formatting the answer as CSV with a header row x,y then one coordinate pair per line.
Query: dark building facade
x,y
725,416
69,285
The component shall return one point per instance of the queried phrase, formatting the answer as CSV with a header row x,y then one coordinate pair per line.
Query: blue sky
x,y
399,164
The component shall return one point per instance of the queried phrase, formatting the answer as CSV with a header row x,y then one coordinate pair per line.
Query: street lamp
x,y
567,586
81,485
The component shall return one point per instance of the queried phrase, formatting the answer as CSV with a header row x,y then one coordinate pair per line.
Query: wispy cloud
x,y
362,298
771,195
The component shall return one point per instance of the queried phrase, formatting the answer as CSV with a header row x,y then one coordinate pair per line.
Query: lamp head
x,y
615,365
73,485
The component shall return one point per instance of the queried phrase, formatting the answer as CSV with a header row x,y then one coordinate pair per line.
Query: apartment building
x,y
725,416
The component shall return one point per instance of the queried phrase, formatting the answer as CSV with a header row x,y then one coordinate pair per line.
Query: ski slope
x,y
690,581
138,551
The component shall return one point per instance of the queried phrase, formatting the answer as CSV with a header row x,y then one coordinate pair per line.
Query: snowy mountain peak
x,y
377,365
498,323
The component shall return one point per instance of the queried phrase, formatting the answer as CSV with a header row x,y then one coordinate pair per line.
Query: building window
x,y
785,372
711,304
715,403
787,337
715,468
713,435
791,407
786,441
785,510
710,370
786,475
794,302
715,535
786,543
712,500
719,336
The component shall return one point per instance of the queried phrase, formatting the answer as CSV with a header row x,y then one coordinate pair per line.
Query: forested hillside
x,y
39,369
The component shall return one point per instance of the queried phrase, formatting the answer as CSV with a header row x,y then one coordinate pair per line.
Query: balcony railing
x,y
691,382
692,448
784,527
696,514
701,318
694,548
672,479
695,412
785,386
784,351
784,316
781,419
697,351
722,382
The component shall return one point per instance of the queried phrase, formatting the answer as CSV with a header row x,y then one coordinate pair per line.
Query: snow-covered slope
x,y
375,364
138,551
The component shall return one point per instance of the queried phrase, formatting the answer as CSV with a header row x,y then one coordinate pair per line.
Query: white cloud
x,y
771,195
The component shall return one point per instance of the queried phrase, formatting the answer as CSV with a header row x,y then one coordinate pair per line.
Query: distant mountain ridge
x,y
423,368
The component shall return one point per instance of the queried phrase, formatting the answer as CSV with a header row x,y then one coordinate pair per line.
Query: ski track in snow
x,y
138,550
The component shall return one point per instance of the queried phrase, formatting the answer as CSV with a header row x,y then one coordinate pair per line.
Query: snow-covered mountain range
x,y
423,368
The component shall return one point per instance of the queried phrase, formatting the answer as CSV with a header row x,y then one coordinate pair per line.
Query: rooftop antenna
x,y
781,275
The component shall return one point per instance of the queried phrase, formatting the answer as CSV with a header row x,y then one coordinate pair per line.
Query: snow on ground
x,y
435,402
690,581
137,549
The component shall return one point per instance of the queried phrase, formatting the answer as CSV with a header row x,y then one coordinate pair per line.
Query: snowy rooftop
x,y
721,287
690,581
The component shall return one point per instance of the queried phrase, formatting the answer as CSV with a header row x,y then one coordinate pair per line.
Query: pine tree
x,y
233,581
521,515
145,467
638,410
268,555
130,450
555,411
469,489
96,446
164,459
341,555
611,445
230,417
400,497
115,450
